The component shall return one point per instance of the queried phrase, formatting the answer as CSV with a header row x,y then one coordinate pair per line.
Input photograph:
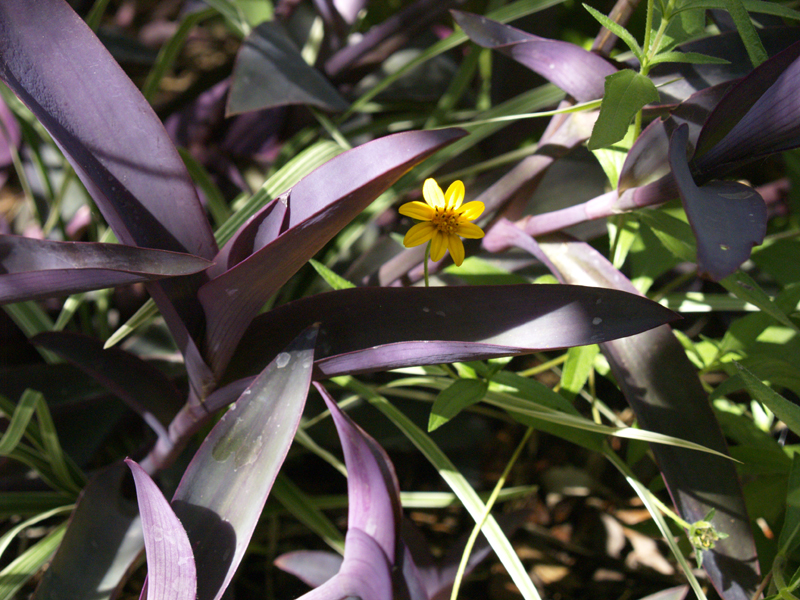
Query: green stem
x,y
425,263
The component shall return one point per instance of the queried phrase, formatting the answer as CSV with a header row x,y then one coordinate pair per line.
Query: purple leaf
x,y
32,269
312,567
171,571
663,388
139,384
370,329
318,207
576,71
103,540
372,490
271,72
223,491
728,218
759,116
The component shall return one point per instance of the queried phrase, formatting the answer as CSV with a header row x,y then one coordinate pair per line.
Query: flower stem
x,y
425,263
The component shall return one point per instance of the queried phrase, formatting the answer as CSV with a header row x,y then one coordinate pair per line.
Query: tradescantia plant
x,y
209,297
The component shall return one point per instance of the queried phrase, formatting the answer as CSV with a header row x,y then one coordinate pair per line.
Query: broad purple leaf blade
x,y
728,218
171,573
365,572
137,383
576,71
370,329
223,491
32,269
319,206
102,542
662,387
270,72
759,116
373,493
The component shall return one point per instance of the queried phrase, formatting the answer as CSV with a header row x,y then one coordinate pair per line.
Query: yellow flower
x,y
444,220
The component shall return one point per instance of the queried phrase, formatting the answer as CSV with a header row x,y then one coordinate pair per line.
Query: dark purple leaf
x,y
271,72
370,329
373,493
139,384
728,218
171,573
223,491
32,269
759,116
102,542
312,567
662,387
319,206
365,572
576,71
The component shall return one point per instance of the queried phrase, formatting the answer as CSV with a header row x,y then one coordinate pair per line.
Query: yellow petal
x,y
433,193
454,195
469,231
438,246
419,234
472,210
417,210
456,248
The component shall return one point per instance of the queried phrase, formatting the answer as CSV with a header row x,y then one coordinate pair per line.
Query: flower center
x,y
446,221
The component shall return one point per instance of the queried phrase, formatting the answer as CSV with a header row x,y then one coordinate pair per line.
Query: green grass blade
x,y
25,566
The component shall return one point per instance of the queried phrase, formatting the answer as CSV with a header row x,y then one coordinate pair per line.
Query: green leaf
x,y
743,286
580,362
786,411
747,31
674,234
336,281
617,30
790,533
694,58
626,92
452,400
26,565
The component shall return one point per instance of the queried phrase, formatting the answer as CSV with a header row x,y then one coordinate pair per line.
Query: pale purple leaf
x,y
312,567
576,71
373,493
32,269
223,491
318,207
171,573
728,218
370,329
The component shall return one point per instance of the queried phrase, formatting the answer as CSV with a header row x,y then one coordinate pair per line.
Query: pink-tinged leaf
x,y
373,493
270,72
662,387
318,207
759,116
223,491
312,567
171,573
365,572
728,218
576,71
102,542
32,269
372,329
139,384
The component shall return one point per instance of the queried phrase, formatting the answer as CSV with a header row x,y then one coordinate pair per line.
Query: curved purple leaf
x,y
32,269
223,491
171,573
373,493
103,540
318,207
576,71
728,218
759,116
271,72
139,384
662,387
370,329
312,567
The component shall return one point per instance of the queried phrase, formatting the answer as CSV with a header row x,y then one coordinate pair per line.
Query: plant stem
x,y
425,263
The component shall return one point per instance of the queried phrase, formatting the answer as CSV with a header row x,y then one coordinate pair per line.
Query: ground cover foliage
x,y
231,367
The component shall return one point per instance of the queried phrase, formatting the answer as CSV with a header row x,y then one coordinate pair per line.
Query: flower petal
x,y
433,193
472,210
469,231
438,246
417,210
419,234
454,195
456,248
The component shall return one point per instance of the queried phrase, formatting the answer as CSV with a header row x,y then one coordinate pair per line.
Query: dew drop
x,y
283,359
